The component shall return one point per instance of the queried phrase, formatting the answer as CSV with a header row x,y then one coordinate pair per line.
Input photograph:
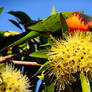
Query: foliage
x,y
1,9
34,44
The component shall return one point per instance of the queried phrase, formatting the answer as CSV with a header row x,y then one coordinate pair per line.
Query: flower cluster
x,y
12,80
70,56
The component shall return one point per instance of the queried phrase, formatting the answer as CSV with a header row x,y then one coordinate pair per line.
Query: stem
x,y
26,63
84,82
5,58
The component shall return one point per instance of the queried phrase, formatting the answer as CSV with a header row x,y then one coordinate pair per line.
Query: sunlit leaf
x,y
23,39
40,54
41,76
44,45
8,33
84,82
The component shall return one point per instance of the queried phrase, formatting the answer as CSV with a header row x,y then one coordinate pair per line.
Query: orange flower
x,y
75,23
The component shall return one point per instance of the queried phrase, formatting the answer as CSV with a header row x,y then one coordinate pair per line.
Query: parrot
x,y
79,22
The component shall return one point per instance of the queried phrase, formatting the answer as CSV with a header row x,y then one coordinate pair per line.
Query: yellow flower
x,y
70,56
13,80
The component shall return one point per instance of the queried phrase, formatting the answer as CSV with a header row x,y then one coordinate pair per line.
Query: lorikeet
x,y
79,21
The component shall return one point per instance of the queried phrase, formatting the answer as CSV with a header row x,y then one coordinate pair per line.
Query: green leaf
x,y
23,39
42,68
53,10
50,88
46,44
15,23
49,43
8,33
1,9
84,83
41,76
50,24
40,54
22,16
2,65
2,33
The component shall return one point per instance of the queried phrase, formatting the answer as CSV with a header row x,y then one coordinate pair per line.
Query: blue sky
x,y
39,8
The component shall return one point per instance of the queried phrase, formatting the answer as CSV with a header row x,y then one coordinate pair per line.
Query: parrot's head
x,y
79,22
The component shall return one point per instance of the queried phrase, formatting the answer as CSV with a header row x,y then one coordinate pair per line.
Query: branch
x,y
5,58
25,63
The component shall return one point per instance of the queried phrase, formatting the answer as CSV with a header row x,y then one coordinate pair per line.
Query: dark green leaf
x,y
40,54
23,39
1,9
50,88
15,23
42,68
22,16
49,43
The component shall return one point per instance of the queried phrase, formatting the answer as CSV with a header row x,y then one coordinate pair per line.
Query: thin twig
x,y
5,58
25,63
